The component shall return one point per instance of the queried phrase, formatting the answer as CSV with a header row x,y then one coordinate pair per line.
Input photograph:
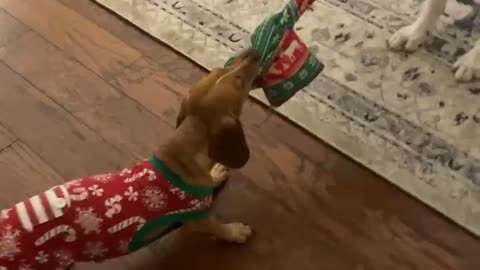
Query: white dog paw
x,y
219,173
467,66
237,232
407,38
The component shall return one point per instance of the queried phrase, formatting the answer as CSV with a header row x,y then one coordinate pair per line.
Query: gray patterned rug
x,y
401,115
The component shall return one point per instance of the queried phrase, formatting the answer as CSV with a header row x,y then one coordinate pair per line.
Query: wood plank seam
x,y
128,45
126,95
24,28
119,55
7,133
271,111
107,79
122,93
149,58
24,144
27,173
29,30
67,111
9,145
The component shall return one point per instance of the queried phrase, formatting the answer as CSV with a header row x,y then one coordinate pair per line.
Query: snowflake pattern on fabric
x,y
95,250
4,214
9,242
88,220
96,191
131,194
91,219
41,257
64,258
154,198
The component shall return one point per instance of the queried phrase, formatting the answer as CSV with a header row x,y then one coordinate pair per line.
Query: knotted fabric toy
x,y
286,65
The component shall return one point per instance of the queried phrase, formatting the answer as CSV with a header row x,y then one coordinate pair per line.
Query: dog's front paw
x,y
219,173
407,38
467,66
236,232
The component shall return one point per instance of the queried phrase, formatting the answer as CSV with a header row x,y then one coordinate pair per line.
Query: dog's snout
x,y
253,55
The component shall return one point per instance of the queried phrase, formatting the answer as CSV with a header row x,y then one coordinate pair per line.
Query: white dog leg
x,y
467,66
411,36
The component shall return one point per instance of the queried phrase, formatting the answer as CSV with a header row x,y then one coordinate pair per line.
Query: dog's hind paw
x,y
467,66
407,38
237,232
219,173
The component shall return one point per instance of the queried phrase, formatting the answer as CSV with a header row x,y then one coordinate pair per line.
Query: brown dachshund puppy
x,y
99,217
209,132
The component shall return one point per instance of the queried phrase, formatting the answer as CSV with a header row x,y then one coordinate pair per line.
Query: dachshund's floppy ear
x,y
182,113
227,144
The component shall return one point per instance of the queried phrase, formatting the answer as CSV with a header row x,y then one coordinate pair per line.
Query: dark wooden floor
x,y
82,92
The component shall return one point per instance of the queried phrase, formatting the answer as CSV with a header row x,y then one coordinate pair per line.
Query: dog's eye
x,y
239,80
